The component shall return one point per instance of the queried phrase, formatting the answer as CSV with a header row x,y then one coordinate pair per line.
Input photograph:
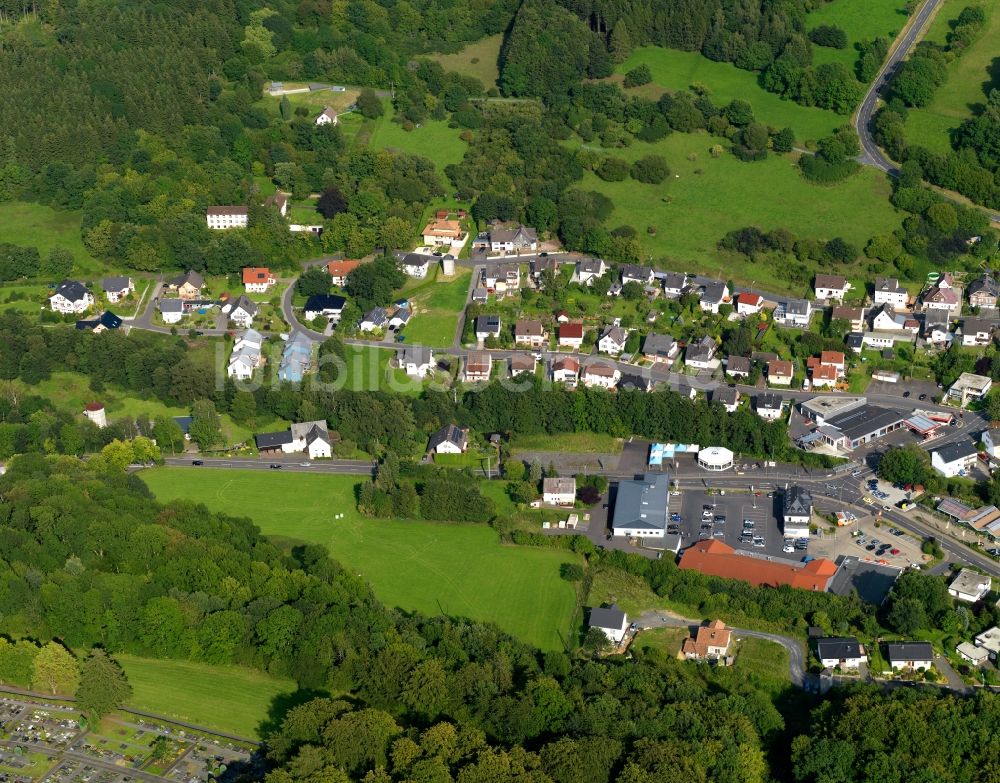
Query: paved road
x,y
295,464
796,658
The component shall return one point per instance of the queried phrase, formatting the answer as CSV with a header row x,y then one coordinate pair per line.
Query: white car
x,y
788,548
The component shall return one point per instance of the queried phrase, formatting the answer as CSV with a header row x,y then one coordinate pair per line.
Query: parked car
x,y
197,462
275,466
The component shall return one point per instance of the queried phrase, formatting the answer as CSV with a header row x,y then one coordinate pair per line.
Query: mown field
x,y
35,225
581,442
233,699
438,304
432,139
860,19
970,78
477,59
707,197
674,70
436,568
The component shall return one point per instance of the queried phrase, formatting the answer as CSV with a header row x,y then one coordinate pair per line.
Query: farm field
x,y
438,304
860,19
477,59
234,699
709,196
674,70
35,225
970,78
436,568
433,139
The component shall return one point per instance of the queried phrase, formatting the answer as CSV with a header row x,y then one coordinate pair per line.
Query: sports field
x,y
35,225
477,59
970,78
233,699
674,70
709,196
860,19
454,569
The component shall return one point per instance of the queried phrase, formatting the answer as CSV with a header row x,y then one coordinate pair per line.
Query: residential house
x,y
749,303
326,117
502,279
117,288
588,270
612,340
835,359
910,655
599,374
889,291
330,306
970,586
296,358
943,297
522,362
855,317
442,232
687,391
339,270
106,321
970,386
701,354
660,348
796,512
449,440
954,459
976,331
990,641
641,507
478,366
713,294
71,297
242,312
480,295
559,491
855,341
566,370
571,335
512,239
780,373
937,329
711,642
796,312
984,291
279,201
223,218
831,287
399,317
611,621
547,265
635,381
727,397
188,285
416,264
768,405
977,656
375,320
674,284
843,652
246,356
633,273
738,367
309,437
991,440
487,326
529,332
823,376
257,279
415,360
171,310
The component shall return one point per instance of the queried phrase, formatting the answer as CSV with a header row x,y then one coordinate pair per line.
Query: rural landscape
x,y
519,391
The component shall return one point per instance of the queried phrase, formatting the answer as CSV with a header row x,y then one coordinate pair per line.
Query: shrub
x,y
651,169
571,572
638,76
829,35
613,170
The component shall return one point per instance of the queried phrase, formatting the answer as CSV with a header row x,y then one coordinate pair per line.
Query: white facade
x,y
557,491
889,291
715,459
116,295
969,586
601,377
72,298
223,218
951,466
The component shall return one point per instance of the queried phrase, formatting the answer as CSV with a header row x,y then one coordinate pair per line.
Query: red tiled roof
x,y
831,357
571,330
780,368
342,268
256,274
824,372
93,406
718,559
753,300
566,363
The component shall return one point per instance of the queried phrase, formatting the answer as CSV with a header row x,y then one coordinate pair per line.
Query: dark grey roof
x,y
642,503
415,354
108,320
871,580
636,272
377,316
855,340
590,265
317,433
317,303
243,303
523,234
769,400
713,291
616,334
184,422
115,283
838,648
488,324
972,325
633,380
888,284
450,434
190,276
910,651
607,617
171,306
417,259
674,280
797,306
72,290
797,502
738,364
269,440
985,283
725,395
658,345
865,420
956,451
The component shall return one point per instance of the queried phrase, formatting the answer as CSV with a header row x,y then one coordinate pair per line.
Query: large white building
x,y
222,218
71,297
246,356
641,507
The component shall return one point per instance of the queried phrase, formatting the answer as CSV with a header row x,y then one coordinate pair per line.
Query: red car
x,y
893,551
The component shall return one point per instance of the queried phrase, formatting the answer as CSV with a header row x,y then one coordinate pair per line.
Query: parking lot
x,y
712,515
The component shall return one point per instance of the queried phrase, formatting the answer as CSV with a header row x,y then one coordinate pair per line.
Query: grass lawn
x,y
234,699
578,442
761,658
970,79
367,368
437,568
709,196
438,304
314,101
860,19
27,299
432,139
674,70
35,225
668,640
477,59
